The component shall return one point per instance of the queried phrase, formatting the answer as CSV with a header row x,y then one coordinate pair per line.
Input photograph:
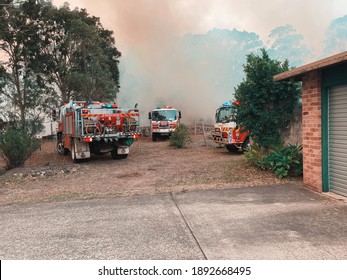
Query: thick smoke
x,y
162,76
154,67
155,70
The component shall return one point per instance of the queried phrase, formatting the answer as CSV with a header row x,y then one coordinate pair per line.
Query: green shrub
x,y
255,154
282,160
180,138
16,146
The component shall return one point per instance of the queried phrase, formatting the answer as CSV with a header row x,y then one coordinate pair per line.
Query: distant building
x,y
49,128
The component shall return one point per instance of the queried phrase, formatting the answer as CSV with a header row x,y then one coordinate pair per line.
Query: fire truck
x,y
163,121
226,132
98,128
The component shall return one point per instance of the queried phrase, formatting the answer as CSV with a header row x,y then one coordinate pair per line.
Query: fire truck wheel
x,y
232,148
154,137
73,152
61,149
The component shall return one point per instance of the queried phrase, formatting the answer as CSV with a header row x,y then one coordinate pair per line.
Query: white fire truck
x,y
163,121
226,132
98,128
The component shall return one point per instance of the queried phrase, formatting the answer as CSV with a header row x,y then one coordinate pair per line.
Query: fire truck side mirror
x,y
179,114
149,115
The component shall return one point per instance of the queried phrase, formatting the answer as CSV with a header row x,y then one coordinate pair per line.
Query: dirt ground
x,y
151,167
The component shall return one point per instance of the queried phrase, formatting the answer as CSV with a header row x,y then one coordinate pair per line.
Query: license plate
x,y
123,151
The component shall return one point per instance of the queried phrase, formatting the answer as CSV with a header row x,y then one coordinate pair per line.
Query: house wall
x,y
312,130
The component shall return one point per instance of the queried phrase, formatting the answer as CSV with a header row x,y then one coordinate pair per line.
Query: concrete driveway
x,y
272,222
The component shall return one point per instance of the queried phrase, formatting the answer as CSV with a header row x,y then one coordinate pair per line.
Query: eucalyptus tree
x,y
336,37
81,57
24,92
286,43
49,55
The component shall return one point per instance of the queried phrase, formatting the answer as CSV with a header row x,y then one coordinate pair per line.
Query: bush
x,y
266,108
180,138
16,146
282,160
255,154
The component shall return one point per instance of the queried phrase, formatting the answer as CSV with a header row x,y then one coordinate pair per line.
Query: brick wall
x,y
311,130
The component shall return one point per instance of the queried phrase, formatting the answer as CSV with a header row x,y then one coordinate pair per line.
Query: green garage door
x,y
338,140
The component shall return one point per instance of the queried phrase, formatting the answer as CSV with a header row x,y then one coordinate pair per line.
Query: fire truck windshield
x,y
164,115
225,114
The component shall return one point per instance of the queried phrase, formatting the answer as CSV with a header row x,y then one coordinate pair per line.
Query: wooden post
x,y
194,126
203,131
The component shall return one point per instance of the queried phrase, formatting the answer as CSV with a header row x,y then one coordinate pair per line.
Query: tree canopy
x,y
50,55
336,37
286,43
22,88
82,59
266,107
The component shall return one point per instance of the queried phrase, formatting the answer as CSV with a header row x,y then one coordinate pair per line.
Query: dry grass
x,y
151,167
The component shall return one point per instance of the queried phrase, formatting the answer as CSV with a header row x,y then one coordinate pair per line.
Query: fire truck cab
x,y
163,121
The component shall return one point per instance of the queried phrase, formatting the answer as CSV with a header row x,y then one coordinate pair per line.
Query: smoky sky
x,y
153,69
136,21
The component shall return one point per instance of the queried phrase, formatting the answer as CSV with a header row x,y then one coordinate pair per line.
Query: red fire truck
x,y
226,131
163,121
98,128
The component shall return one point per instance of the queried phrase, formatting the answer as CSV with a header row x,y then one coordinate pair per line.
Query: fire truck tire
x,y
60,146
61,149
154,137
232,148
114,155
73,152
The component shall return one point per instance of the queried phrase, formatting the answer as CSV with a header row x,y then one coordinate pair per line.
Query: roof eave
x,y
296,74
